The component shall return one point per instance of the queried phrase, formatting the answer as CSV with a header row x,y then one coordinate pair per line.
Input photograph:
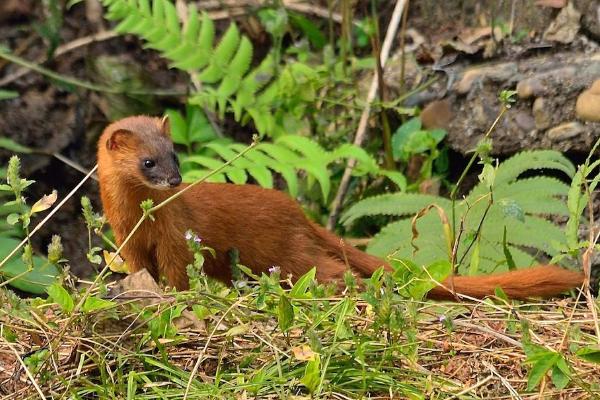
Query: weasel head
x,y
139,149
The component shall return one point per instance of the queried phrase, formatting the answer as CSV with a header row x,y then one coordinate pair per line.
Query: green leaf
x,y
487,176
542,361
312,374
11,145
285,313
13,218
8,94
511,209
509,258
35,281
591,354
93,303
60,296
300,288
561,374
309,29
401,137
179,128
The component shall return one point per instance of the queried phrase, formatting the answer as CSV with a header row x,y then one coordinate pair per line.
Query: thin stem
x,y
50,214
385,124
468,168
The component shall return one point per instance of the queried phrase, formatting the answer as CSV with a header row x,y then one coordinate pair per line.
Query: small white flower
x,y
274,269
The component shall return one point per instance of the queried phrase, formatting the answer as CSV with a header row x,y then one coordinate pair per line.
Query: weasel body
x,y
136,161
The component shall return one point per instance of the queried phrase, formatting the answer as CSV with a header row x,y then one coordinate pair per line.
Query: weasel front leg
x,y
173,258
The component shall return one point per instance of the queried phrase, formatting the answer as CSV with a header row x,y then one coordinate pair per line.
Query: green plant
x,y
286,155
502,200
410,140
270,96
30,273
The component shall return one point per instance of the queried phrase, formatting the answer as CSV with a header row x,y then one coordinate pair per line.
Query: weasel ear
x,y
165,125
118,138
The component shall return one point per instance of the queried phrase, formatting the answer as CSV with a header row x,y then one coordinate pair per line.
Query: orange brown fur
x,y
266,226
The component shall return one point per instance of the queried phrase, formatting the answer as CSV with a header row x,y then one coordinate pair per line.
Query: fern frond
x,y
400,204
510,169
287,156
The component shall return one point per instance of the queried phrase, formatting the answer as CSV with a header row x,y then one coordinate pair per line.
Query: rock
x,y
565,27
530,87
587,107
524,121
590,22
437,114
496,73
541,116
565,131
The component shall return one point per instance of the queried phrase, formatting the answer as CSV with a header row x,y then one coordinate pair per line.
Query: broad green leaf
x,y
60,296
285,313
300,288
93,303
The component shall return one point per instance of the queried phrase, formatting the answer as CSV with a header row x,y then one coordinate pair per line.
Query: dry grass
x,y
477,352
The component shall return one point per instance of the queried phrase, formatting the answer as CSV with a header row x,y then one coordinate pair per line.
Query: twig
x,y
473,387
60,50
490,332
364,118
29,375
81,83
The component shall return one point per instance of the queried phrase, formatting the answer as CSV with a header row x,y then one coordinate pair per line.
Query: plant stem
x,y
364,118
385,124
468,168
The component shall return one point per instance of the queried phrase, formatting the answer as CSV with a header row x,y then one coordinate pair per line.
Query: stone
x,y
565,27
437,114
529,87
524,121
565,131
542,117
587,107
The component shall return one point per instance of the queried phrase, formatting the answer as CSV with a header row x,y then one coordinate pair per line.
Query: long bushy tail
x,y
539,281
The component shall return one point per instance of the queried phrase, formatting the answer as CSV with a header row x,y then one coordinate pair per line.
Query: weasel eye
x,y
176,159
149,163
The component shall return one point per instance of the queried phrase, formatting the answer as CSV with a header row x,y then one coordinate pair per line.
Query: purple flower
x,y
197,239
188,235
274,269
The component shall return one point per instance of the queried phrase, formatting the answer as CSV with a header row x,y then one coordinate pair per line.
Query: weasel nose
x,y
175,180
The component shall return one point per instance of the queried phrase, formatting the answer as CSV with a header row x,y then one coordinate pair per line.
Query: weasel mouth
x,y
160,185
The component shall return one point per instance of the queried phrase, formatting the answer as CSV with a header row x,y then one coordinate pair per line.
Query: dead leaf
x,y
237,330
140,285
118,265
45,202
303,353
189,320
471,35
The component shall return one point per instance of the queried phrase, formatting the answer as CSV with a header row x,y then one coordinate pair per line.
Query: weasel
x,y
136,161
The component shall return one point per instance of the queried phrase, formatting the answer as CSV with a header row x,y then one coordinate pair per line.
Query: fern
x,y
226,81
519,205
287,156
